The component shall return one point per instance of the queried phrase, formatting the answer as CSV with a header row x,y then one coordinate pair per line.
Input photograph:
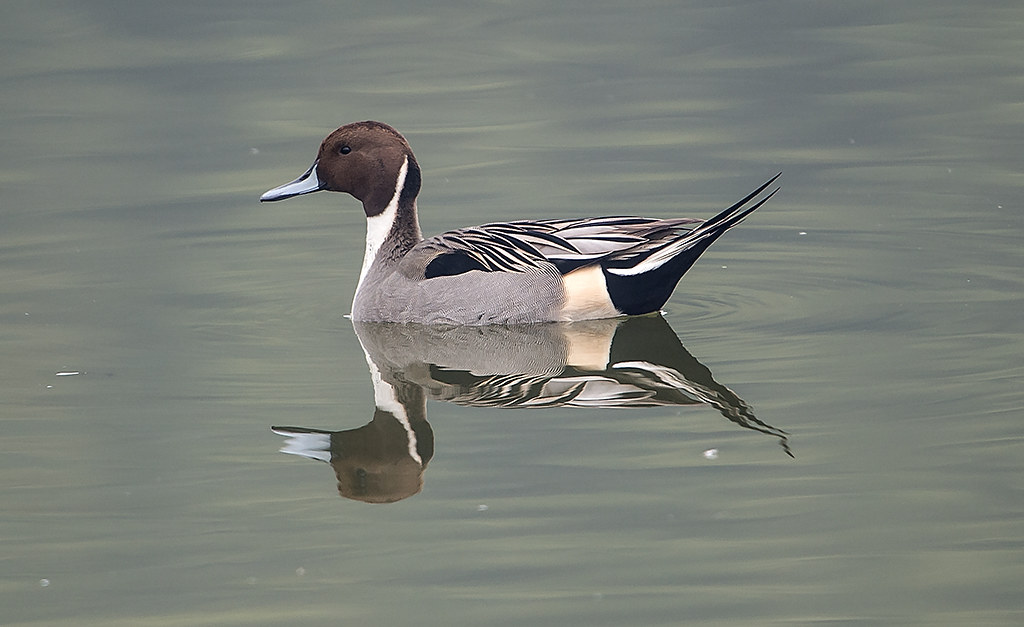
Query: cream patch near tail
x,y
586,296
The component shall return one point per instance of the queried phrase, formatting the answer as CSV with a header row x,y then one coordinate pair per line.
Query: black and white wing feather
x,y
623,245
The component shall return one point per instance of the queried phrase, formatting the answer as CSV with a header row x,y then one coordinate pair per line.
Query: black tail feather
x,y
643,293
730,217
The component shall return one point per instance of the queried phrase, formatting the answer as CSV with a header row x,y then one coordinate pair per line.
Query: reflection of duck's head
x,y
382,461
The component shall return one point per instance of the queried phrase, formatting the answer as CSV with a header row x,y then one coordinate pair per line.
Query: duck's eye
x,y
344,150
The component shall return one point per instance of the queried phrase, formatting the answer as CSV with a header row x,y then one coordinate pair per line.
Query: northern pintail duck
x,y
505,272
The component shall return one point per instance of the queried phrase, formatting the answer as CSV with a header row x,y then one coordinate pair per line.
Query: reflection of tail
x,y
664,358
711,393
311,443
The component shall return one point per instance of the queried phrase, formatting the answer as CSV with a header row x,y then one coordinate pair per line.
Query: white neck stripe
x,y
379,226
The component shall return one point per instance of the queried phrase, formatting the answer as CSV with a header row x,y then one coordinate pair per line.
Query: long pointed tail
x,y
700,238
736,213
662,267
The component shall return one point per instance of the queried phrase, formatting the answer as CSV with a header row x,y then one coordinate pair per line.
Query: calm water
x,y
871,311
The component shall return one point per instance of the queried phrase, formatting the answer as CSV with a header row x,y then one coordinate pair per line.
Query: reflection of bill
x,y
622,363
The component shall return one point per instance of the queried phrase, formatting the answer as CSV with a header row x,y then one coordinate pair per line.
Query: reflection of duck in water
x,y
630,363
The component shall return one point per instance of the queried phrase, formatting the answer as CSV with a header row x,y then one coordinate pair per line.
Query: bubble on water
x,y
44,583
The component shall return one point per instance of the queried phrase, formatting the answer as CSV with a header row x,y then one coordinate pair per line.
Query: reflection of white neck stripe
x,y
384,397
379,226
